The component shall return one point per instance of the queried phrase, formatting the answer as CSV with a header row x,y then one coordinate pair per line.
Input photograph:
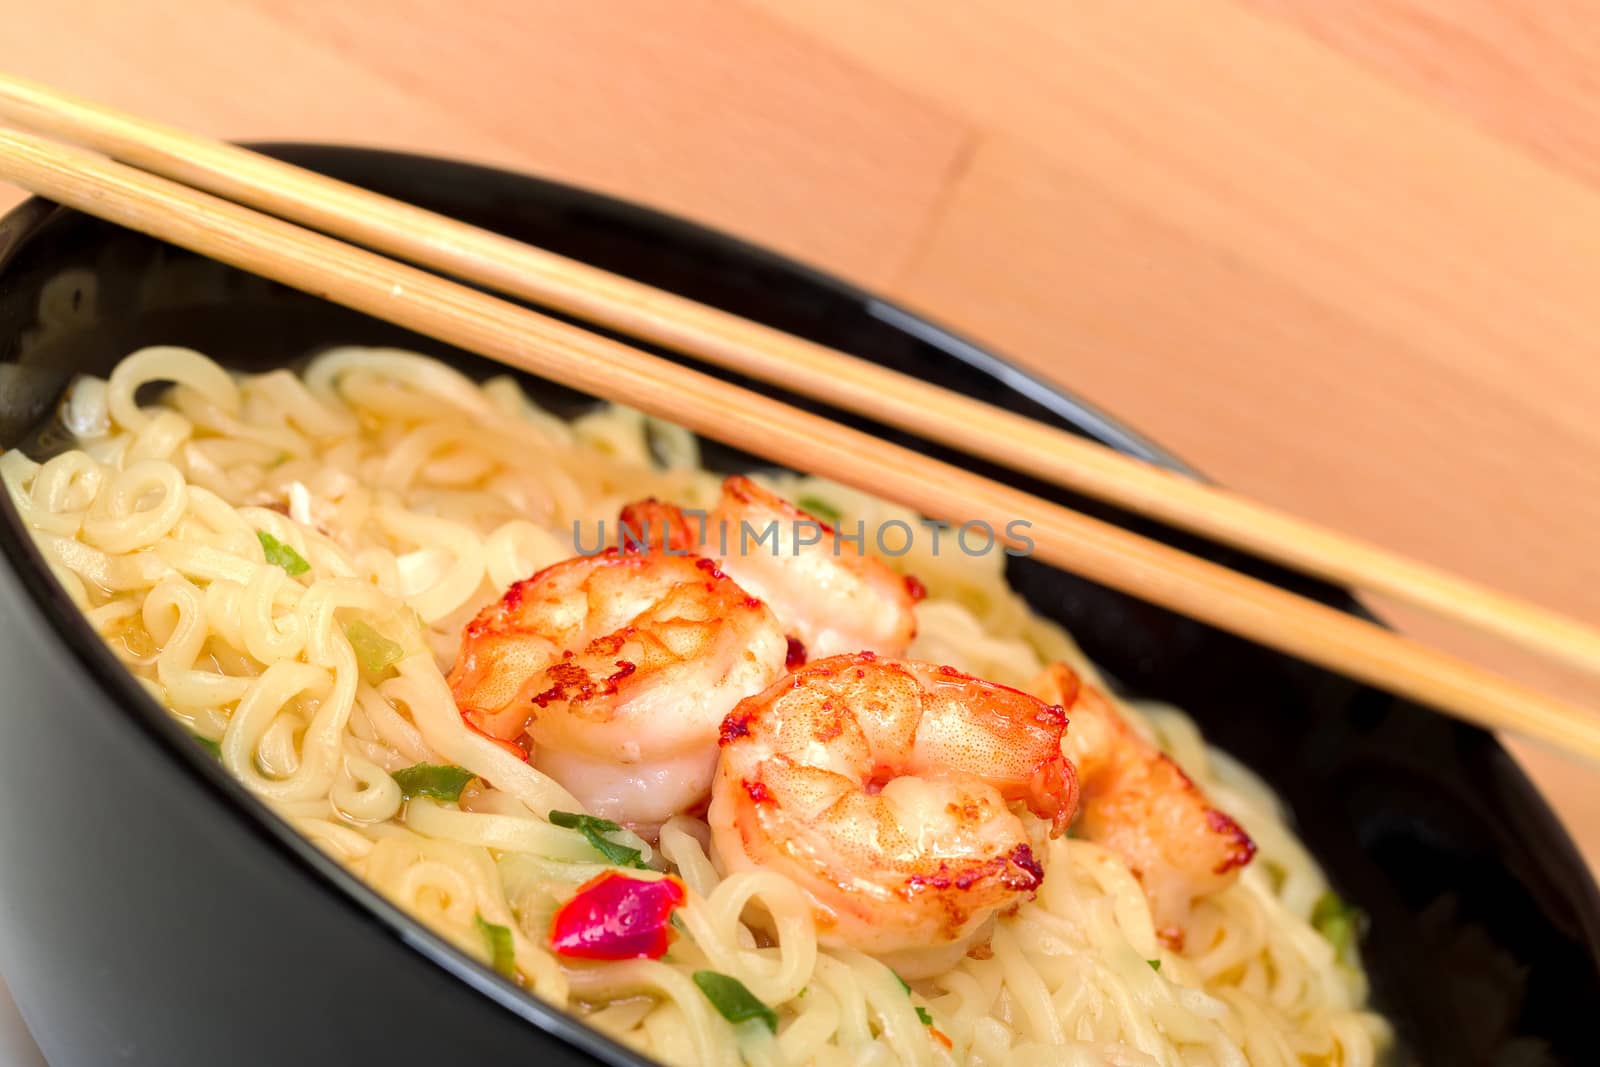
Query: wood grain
x,y
714,112
1338,256
1527,72
753,128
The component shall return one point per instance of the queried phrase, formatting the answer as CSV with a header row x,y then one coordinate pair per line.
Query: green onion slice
x,y
732,1000
1338,922
375,652
820,508
594,830
501,951
441,781
281,555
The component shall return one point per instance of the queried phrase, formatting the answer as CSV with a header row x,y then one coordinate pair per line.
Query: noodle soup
x,y
288,563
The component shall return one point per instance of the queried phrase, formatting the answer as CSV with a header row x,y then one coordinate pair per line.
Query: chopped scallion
x,y
594,830
441,781
502,953
820,508
572,820
732,1000
281,555
375,652
1338,922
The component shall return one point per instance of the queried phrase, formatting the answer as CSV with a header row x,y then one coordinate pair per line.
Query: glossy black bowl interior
x,y
154,914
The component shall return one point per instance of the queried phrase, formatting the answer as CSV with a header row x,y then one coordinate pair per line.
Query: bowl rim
x,y
26,221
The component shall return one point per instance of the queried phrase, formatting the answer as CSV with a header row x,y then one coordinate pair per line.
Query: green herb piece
x,y
571,820
922,1013
732,1000
594,830
375,652
213,747
281,554
820,508
1337,921
501,951
441,781
1155,965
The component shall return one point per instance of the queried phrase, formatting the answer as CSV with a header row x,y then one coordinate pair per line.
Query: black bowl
x,y
154,913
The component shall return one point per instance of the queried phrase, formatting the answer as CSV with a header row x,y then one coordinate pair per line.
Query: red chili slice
x,y
615,917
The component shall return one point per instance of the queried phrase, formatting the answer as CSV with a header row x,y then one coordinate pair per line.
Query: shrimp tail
x,y
1137,802
652,524
1053,794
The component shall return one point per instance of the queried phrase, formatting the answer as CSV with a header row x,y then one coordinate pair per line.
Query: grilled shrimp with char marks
x,y
885,790
619,669
831,600
1139,804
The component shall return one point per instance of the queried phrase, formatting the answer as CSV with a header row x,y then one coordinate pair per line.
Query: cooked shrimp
x,y
830,596
619,669
884,789
1139,804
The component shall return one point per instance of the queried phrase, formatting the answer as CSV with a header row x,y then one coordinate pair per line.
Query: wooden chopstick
x,y
567,354
448,246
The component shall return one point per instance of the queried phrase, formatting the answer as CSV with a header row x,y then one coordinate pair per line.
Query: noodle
x,y
224,541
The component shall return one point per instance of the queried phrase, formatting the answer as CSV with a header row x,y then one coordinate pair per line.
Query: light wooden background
x,y
1340,256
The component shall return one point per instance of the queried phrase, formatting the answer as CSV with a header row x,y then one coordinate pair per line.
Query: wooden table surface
x,y
1338,256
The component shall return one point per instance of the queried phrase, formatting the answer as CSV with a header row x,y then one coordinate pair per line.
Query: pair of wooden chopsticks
x,y
167,192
